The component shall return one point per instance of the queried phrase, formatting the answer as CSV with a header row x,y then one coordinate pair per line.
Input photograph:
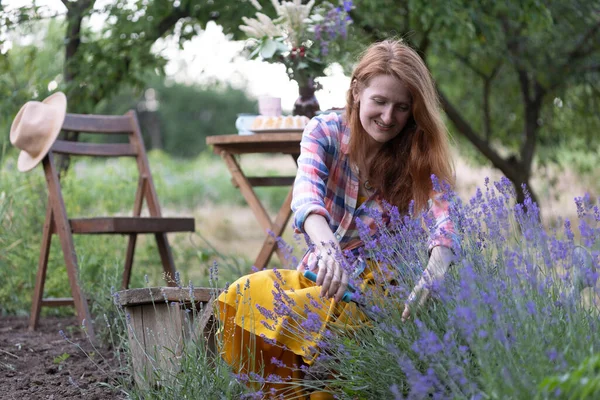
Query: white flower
x,y
256,4
259,28
268,25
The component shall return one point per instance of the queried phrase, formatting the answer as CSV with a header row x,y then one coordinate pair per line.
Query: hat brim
x,y
25,162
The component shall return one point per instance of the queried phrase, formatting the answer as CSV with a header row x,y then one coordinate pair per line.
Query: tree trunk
x,y
150,125
76,11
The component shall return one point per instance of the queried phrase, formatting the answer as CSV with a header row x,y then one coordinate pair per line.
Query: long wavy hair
x,y
403,167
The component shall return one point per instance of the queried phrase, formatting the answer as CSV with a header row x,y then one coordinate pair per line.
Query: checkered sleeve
x,y
442,232
310,185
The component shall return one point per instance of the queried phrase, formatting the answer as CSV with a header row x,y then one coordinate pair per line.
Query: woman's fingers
x,y
419,293
343,286
336,279
424,297
322,270
331,277
329,266
406,312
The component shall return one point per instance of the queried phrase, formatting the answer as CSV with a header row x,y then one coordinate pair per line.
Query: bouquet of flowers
x,y
304,37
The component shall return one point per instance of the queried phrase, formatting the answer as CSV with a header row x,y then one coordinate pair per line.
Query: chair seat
x,y
127,225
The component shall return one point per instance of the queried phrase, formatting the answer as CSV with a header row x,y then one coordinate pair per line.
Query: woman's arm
x,y
319,149
437,267
331,276
443,243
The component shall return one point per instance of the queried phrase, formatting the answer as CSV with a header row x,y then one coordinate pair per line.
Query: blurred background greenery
x,y
518,81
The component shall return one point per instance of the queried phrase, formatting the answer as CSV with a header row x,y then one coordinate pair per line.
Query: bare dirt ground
x,y
43,365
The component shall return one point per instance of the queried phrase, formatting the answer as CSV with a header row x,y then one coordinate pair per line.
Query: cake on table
x,y
263,122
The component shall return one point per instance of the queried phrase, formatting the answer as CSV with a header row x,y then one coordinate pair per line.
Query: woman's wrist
x,y
320,233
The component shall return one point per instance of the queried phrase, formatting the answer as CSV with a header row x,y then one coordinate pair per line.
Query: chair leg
x,y
40,280
166,257
79,299
63,229
129,260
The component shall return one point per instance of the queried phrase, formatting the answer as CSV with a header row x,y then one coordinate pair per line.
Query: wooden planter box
x,y
160,321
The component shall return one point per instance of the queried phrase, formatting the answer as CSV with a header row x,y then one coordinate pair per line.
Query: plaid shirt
x,y
327,184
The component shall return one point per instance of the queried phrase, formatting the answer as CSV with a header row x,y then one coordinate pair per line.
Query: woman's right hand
x,y
331,276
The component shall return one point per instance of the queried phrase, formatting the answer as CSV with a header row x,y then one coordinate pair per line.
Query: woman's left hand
x,y
438,265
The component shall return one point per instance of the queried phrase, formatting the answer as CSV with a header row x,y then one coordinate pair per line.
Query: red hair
x,y
402,168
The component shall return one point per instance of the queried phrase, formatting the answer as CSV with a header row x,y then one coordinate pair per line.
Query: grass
x,y
228,235
226,232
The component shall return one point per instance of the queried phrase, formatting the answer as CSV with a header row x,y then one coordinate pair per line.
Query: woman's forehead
x,y
387,86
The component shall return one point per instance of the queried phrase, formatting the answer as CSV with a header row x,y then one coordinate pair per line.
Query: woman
x,y
384,149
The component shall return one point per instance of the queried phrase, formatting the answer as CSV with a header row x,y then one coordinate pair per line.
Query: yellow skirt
x,y
271,325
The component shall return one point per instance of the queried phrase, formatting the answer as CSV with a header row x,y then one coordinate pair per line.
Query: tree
x,y
498,65
29,71
187,113
98,63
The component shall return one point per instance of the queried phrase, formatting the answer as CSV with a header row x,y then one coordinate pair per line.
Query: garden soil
x,y
43,365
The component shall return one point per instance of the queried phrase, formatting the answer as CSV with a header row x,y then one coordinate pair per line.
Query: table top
x,y
288,143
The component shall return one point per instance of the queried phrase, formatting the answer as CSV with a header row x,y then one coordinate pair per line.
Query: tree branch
x,y
487,117
524,83
469,64
169,21
592,68
578,52
487,83
507,166
424,45
487,91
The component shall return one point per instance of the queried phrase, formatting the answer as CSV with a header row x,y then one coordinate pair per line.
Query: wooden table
x,y
286,142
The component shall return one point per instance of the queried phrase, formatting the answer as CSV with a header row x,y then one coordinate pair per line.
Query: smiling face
x,y
385,107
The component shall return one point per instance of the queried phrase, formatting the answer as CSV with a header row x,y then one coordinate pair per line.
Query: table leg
x,y
277,227
270,243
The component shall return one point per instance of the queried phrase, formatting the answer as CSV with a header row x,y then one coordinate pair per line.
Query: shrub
x,y
517,308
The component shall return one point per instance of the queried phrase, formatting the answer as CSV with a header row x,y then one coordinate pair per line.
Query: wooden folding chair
x,y
57,221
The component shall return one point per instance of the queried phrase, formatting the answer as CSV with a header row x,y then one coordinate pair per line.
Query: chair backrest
x,y
116,126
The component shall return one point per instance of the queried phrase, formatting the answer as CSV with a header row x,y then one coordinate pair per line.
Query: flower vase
x,y
306,104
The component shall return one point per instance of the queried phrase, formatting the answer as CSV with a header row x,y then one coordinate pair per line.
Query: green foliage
x,y
583,382
22,212
22,197
189,114
61,358
26,70
186,114
464,57
120,54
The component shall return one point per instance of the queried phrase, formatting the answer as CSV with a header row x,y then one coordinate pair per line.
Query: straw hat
x,y
36,127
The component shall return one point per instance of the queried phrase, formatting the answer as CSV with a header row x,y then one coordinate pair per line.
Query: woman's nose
x,y
387,115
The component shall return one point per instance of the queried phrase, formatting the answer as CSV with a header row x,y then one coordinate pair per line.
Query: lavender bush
x,y
515,318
